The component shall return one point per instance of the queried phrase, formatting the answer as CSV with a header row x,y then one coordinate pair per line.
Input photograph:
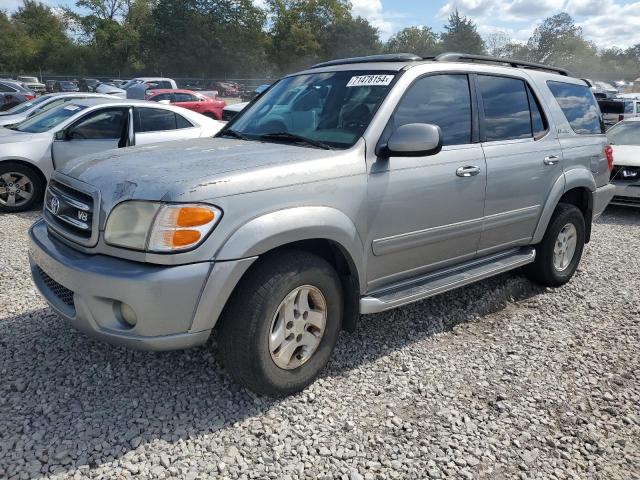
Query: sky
x,y
605,22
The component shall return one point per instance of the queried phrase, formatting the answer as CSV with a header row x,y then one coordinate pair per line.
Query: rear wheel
x,y
559,253
282,323
20,187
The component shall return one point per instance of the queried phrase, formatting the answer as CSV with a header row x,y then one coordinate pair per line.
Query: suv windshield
x,y
24,106
625,133
331,109
48,120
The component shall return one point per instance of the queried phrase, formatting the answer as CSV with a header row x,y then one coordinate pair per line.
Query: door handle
x,y
468,171
551,160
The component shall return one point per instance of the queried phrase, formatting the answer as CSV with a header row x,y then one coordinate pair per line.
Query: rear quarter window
x,y
579,107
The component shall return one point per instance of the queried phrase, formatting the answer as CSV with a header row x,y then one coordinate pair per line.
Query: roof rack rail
x,y
455,57
388,57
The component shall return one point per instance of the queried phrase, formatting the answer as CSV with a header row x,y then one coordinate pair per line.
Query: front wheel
x,y
20,187
282,323
559,253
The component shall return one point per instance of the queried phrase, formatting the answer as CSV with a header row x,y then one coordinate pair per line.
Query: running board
x,y
445,280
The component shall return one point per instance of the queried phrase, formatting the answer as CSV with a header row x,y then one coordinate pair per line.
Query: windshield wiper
x,y
236,134
295,138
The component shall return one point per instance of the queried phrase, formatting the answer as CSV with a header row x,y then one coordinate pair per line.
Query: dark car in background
x,y
226,89
48,85
12,93
88,84
65,86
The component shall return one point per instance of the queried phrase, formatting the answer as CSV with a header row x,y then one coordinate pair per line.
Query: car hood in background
x,y
202,169
11,119
111,90
627,155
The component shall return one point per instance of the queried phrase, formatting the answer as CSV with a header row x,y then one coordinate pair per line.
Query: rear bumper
x,y
626,193
601,198
88,291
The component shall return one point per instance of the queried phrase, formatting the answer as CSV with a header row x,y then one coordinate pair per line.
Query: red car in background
x,y
196,101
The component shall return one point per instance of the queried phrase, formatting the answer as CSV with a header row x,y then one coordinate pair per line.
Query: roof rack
x,y
388,57
443,57
456,57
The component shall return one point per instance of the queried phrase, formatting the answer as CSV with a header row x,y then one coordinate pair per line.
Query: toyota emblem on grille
x,y
54,205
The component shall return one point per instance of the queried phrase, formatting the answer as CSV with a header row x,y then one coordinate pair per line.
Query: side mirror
x,y
61,135
412,140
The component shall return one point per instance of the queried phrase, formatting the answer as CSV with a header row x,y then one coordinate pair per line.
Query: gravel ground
x,y
497,380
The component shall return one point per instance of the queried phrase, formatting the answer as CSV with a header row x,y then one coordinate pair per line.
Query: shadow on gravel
x,y
75,401
616,215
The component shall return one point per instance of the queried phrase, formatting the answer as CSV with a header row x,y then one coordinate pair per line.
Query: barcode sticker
x,y
370,80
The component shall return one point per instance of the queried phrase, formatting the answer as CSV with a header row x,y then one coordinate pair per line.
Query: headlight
x,y
159,227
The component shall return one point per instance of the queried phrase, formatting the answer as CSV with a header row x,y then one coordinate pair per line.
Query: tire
x,y
14,199
250,319
569,220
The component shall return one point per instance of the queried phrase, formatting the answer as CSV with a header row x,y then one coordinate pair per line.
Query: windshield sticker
x,y
370,80
72,107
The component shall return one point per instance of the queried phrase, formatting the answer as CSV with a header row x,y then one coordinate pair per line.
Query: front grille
x,y
69,211
624,173
626,200
63,293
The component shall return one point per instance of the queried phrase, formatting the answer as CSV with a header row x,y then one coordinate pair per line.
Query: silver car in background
x,y
33,148
41,104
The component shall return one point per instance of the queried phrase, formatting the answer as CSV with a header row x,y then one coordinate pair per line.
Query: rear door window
x,y
506,108
579,107
157,120
185,97
442,100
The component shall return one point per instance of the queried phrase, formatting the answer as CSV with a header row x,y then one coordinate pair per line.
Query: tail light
x,y
29,96
608,152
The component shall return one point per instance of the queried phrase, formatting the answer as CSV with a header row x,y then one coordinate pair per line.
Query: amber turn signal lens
x,y
182,238
194,216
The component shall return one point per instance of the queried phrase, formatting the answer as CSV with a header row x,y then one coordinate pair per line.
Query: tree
x,y
498,44
461,35
304,32
419,40
553,30
44,39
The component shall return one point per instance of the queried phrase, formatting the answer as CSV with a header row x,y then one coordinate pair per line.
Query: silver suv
x,y
354,187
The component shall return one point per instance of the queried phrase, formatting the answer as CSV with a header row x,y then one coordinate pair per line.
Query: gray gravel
x,y
498,380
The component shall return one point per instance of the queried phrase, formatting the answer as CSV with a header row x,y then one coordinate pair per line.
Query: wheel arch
x,y
322,231
575,187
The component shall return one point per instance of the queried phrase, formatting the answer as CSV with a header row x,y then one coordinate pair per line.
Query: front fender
x,y
282,227
579,177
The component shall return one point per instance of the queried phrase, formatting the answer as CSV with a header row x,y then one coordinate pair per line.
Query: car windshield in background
x,y
324,110
24,106
625,133
67,84
48,120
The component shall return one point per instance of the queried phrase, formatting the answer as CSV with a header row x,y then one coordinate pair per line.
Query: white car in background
x,y
625,141
32,149
33,84
151,82
41,104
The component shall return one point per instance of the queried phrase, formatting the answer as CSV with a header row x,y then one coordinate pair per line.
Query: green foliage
x,y
233,38
461,35
419,40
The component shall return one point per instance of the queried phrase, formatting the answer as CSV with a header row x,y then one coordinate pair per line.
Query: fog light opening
x,y
128,315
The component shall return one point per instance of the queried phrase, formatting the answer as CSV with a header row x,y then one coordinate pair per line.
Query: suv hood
x,y
202,169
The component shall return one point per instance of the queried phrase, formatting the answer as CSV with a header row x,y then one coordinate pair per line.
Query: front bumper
x,y
88,290
627,193
601,198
